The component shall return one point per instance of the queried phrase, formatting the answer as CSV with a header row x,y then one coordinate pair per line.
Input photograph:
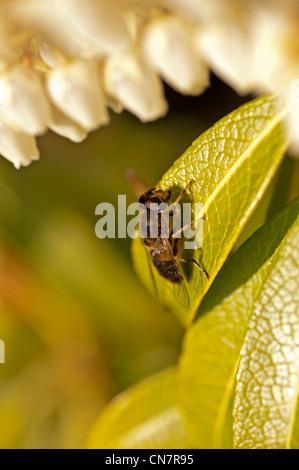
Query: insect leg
x,y
183,191
202,217
196,264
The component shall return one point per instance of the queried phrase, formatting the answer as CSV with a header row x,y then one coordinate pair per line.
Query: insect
x,y
163,250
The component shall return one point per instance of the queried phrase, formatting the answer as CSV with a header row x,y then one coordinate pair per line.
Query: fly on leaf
x,y
161,241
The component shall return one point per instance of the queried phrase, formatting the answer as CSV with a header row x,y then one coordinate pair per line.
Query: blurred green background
x,y
77,324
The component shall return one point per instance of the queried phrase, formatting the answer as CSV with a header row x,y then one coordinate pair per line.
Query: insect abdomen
x,y
168,269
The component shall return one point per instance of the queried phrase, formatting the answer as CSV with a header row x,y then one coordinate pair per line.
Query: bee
x,y
163,250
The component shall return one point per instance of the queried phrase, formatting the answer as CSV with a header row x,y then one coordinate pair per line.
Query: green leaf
x,y
240,359
275,199
232,164
144,417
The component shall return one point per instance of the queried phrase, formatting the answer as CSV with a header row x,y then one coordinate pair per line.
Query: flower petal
x,y
17,147
276,50
131,81
168,45
23,100
65,127
91,27
6,49
200,10
100,23
292,121
75,89
227,50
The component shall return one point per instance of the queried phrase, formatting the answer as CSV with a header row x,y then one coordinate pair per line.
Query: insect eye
x,y
142,199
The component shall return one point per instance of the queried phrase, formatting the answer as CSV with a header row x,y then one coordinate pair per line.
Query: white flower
x,y
23,100
65,127
135,85
6,50
227,49
75,89
168,45
63,63
276,51
293,116
200,10
78,27
17,147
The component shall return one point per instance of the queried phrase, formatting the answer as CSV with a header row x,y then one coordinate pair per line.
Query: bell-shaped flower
x,y
292,120
199,11
169,47
23,100
132,82
64,126
227,49
18,147
276,50
75,89
77,27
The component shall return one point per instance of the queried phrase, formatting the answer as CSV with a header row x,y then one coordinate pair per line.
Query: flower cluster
x,y
64,63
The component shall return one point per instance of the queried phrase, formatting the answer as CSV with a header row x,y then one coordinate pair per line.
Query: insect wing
x,y
179,290
151,267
